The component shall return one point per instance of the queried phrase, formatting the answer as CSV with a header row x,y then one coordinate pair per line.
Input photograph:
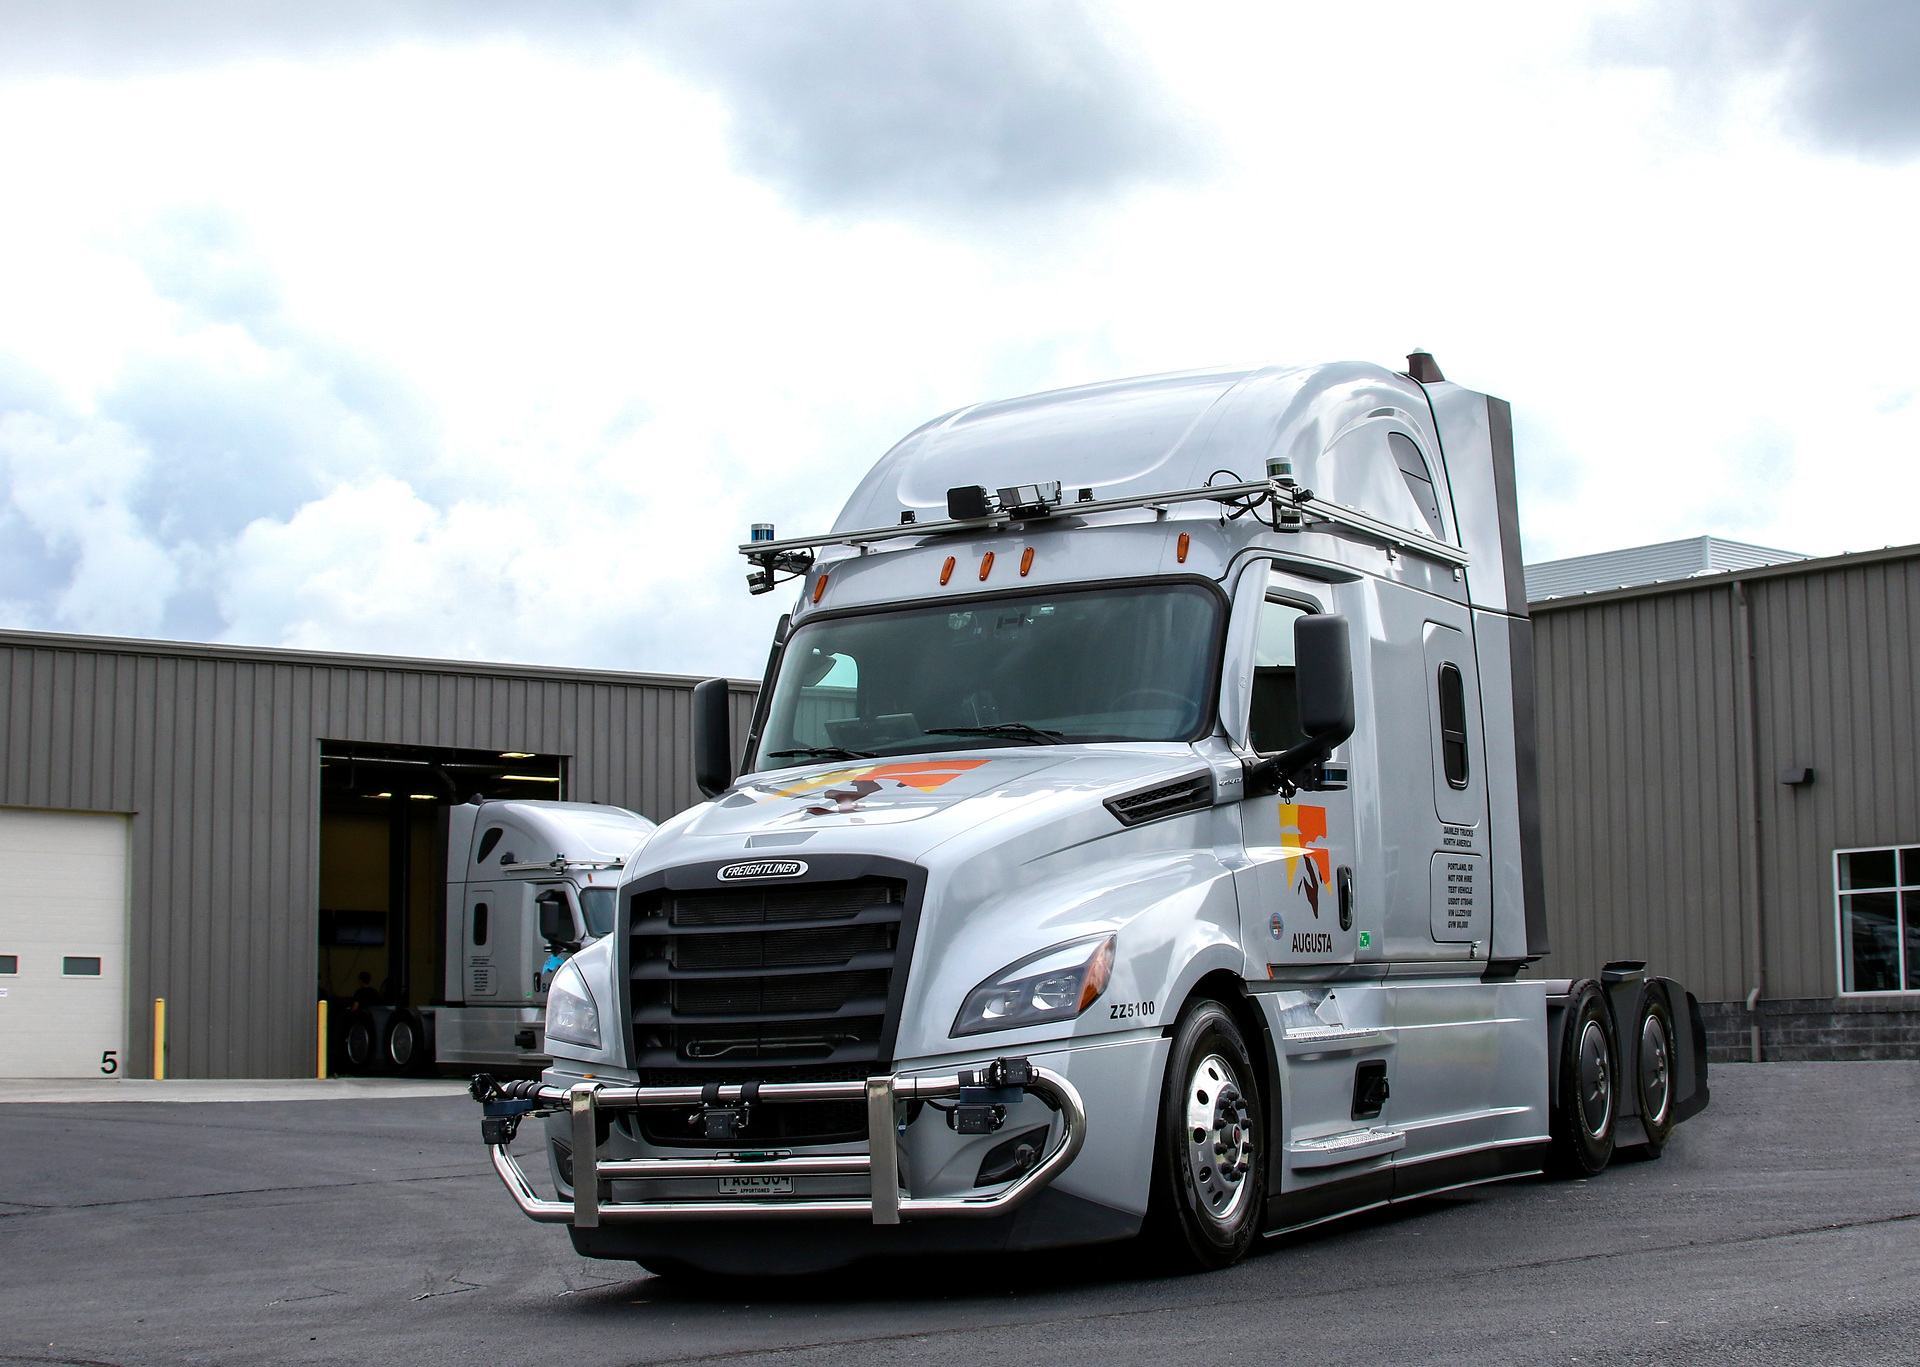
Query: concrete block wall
x,y
1809,1028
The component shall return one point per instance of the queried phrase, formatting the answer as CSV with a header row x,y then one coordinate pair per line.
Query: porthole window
x,y
488,841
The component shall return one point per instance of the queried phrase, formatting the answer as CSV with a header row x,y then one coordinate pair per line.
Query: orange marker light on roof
x,y
986,565
819,587
1181,553
1026,561
946,572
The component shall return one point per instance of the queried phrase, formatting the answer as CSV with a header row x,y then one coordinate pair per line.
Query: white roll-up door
x,y
63,944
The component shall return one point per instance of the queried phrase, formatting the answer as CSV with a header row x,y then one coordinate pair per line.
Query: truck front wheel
x,y
1209,1166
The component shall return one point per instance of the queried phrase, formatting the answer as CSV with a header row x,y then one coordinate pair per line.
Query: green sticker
x,y
1366,940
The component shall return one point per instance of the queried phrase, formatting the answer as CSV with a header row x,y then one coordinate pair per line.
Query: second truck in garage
x,y
1137,835
527,884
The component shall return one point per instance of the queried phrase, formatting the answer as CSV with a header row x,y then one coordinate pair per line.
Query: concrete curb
x,y
224,1089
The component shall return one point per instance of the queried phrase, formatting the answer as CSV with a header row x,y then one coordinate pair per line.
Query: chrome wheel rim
x,y
1655,1084
401,1044
1596,1081
1219,1139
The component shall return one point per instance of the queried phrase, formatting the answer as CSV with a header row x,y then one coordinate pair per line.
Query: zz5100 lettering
x,y
1120,1011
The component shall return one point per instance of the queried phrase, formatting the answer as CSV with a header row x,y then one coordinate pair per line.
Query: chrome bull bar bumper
x,y
886,1205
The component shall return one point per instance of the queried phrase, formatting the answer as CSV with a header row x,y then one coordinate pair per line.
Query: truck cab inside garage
x,y
382,895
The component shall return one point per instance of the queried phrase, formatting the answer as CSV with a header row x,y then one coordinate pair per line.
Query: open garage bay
x,y
1782,1226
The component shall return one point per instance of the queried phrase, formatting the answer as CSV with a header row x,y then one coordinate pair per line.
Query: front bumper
x,y
885,1205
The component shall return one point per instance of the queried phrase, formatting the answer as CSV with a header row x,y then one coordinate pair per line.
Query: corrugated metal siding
x,y
1647,809
214,752
1639,787
1837,655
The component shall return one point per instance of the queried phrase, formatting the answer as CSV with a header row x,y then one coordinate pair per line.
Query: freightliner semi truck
x,y
1137,836
527,885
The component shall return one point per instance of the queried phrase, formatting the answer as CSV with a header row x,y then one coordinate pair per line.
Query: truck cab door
x,y
1461,903
1296,887
479,946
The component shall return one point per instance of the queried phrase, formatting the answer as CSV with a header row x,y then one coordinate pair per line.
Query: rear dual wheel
x,y
1584,1114
1592,1082
1209,1166
1656,1071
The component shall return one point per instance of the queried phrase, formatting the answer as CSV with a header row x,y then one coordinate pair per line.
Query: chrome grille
x,y
773,983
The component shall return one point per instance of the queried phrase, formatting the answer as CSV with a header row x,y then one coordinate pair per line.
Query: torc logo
x,y
764,868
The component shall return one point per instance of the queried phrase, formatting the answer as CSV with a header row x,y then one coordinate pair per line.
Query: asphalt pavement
x,y
1782,1226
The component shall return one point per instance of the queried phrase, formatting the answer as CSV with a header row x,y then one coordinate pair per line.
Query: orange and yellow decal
x,y
926,775
1301,828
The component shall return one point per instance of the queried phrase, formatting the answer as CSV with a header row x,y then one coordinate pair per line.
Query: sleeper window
x,y
1413,469
1453,725
1274,719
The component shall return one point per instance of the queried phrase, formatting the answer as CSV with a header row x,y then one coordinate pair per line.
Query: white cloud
x,y
470,344
73,492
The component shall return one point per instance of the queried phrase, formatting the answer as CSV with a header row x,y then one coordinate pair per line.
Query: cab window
x,y
1274,722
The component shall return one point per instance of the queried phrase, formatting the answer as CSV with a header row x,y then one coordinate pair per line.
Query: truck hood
x,y
904,807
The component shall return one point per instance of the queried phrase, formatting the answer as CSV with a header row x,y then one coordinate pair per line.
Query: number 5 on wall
x,y
110,1062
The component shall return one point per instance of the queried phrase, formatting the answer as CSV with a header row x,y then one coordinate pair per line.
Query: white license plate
x,y
756,1186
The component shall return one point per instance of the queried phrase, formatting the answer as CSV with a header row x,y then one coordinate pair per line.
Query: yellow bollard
x,y
320,1064
159,1038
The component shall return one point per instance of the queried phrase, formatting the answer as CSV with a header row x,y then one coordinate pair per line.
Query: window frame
x,y
1900,891
1286,598
1208,723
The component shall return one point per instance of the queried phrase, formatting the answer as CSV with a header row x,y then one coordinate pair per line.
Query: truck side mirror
x,y
712,737
1323,685
556,922
1323,678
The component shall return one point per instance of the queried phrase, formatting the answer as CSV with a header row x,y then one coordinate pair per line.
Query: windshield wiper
x,y
1005,728
820,752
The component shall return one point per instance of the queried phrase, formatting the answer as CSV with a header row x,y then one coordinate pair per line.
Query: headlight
x,y
572,1018
1054,985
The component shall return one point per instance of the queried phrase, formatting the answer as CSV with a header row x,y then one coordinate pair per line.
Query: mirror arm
x,y
1281,773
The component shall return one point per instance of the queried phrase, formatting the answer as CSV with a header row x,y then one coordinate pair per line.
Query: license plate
x,y
756,1186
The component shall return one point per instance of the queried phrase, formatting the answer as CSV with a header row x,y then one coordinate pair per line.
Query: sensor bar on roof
x,y
1318,510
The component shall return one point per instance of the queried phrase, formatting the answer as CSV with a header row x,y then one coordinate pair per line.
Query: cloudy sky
x,y
482,328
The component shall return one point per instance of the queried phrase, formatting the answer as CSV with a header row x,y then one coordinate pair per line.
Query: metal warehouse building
x,y
1730,788
220,826
1730,784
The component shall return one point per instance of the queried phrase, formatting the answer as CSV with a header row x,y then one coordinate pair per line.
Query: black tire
x,y
1589,1101
1203,1213
357,1042
405,1044
1655,1073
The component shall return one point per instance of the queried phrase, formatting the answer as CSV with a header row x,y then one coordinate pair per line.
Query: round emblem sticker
x,y
1276,925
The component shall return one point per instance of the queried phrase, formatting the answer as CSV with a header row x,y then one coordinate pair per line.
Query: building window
x,y
80,966
9,964
1879,904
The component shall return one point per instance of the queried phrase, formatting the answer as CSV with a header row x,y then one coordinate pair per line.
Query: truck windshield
x,y
1105,664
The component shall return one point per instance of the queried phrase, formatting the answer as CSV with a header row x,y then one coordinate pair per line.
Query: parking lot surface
x,y
1782,1226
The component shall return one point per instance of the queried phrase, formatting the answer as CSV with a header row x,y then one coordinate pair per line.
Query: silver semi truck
x,y
527,885
1137,835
